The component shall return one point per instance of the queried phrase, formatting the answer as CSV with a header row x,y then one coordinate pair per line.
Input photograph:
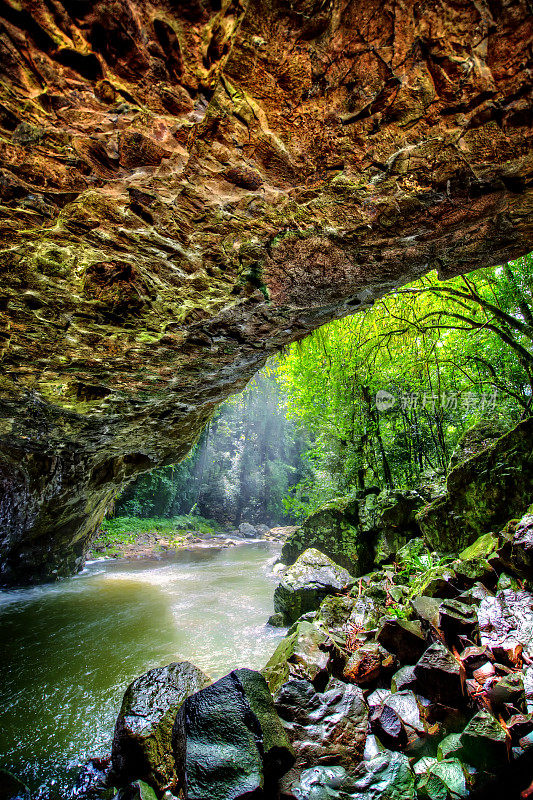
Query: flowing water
x,y
68,650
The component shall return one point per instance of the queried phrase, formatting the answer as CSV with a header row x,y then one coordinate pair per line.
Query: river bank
x,y
124,538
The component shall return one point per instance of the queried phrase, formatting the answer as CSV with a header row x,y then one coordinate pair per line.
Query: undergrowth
x,y
128,530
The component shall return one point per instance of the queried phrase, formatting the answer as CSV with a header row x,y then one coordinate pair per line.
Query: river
x,y
70,649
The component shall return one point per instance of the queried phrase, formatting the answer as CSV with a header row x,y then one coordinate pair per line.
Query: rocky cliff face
x,y
186,187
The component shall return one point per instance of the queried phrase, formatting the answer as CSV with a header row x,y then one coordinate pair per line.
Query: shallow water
x,y
70,649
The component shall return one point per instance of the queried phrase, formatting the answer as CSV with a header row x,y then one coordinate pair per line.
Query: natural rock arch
x,y
186,187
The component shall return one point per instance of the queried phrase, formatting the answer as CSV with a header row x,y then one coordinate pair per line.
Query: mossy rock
x,y
307,582
301,650
334,529
483,492
483,547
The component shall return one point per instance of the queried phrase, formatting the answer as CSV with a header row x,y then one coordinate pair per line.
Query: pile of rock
x,y
412,682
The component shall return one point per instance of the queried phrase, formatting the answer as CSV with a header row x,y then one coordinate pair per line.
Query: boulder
x,y
484,742
368,663
397,720
438,676
387,776
449,747
328,727
387,726
335,530
92,782
506,625
404,678
307,582
483,491
403,638
516,552
366,614
427,610
319,783
143,731
276,620
457,618
248,531
228,741
475,440
441,780
303,652
11,788
390,521
335,611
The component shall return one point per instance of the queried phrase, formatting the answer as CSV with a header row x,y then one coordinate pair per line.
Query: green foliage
x,y
124,526
451,354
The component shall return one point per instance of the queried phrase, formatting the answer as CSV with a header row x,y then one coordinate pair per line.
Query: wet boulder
x,y
440,780
143,731
506,625
507,692
450,747
442,582
484,743
328,727
368,663
387,776
334,529
11,788
426,609
335,611
307,582
366,614
276,620
398,721
92,782
304,652
403,638
228,741
319,783
456,618
474,657
520,725
404,678
438,676
387,726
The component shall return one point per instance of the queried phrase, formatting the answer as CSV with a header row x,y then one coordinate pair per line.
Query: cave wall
x,y
186,187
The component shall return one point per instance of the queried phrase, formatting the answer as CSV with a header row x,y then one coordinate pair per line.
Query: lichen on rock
x,y
187,188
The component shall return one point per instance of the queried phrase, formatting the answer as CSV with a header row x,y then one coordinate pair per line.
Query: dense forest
x,y
379,398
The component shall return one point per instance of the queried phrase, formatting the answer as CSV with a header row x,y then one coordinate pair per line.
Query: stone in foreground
x,y
484,742
328,727
304,652
11,788
142,744
228,741
307,582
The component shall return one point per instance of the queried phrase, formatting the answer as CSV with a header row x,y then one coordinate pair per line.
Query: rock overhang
x,y
187,189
